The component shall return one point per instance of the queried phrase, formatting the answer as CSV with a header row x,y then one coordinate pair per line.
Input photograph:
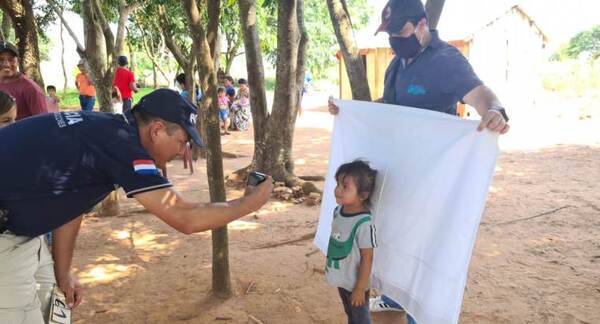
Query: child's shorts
x,y
223,114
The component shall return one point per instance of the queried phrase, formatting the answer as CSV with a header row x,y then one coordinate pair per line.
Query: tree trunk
x,y
277,160
21,14
256,77
62,60
434,12
6,26
221,281
80,48
355,68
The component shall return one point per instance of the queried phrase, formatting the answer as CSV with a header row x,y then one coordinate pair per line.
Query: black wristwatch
x,y
501,110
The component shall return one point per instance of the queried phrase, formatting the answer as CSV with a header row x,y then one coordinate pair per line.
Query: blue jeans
x,y
87,102
356,315
127,104
391,302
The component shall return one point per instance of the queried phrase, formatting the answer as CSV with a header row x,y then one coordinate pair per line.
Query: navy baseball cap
x,y
171,106
122,60
8,47
396,13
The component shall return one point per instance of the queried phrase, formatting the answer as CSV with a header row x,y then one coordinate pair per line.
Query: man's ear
x,y
155,128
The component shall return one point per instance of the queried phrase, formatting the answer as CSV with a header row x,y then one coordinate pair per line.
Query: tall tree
x,y
205,42
24,24
355,68
101,51
229,24
273,132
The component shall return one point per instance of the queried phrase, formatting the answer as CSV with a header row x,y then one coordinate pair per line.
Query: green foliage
x,y
322,43
572,78
587,42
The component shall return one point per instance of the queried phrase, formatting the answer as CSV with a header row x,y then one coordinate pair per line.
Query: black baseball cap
x,y
171,106
122,60
8,47
396,13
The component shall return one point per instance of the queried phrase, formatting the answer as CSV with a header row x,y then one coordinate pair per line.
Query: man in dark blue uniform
x,y
50,181
428,73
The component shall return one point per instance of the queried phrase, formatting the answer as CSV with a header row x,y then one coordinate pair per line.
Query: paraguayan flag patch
x,y
145,167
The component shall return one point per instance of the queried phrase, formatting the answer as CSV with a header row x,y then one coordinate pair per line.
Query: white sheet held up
x,y
434,172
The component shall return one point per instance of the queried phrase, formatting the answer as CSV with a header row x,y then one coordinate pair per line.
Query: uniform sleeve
x,y
130,166
365,236
462,77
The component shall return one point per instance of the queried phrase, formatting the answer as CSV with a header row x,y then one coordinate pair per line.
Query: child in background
x,y
223,110
52,100
350,250
8,109
240,109
115,100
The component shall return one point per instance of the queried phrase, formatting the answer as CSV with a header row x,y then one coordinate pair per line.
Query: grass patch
x,y
70,100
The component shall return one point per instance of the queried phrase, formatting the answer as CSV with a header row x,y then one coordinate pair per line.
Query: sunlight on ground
x,y
300,162
240,225
144,240
493,253
107,258
106,273
274,207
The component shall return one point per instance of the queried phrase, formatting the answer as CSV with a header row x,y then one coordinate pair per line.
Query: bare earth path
x,y
536,260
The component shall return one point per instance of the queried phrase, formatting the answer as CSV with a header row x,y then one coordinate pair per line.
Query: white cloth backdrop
x,y
434,172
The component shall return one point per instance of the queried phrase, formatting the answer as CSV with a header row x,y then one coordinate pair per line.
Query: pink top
x,y
30,98
52,104
223,102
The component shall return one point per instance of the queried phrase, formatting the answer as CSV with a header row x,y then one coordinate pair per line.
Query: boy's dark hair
x,y
228,77
242,81
6,102
362,174
220,89
180,78
50,87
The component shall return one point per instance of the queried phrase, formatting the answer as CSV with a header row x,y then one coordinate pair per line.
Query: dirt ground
x,y
536,260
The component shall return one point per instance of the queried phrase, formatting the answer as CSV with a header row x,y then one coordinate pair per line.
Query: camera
x,y
255,178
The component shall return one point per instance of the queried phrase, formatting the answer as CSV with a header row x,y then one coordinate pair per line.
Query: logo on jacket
x,y
416,90
145,167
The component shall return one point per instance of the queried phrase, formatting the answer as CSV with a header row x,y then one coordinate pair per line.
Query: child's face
x,y
52,93
8,117
243,87
221,94
346,192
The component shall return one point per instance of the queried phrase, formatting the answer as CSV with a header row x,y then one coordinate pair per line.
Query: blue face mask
x,y
405,47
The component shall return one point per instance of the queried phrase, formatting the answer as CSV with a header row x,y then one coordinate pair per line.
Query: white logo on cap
x,y
193,118
387,14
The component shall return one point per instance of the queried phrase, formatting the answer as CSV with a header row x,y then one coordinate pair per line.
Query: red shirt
x,y
124,77
29,96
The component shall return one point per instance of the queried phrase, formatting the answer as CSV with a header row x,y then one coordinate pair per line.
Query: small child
x,y
223,110
116,101
52,100
8,109
350,250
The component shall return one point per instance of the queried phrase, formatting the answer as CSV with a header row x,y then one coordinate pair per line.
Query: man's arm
x,y
188,217
132,85
62,253
36,101
485,102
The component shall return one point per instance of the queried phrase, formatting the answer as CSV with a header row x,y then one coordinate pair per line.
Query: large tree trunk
x,y
55,8
355,68
280,128
221,281
21,14
256,77
6,28
434,12
101,54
